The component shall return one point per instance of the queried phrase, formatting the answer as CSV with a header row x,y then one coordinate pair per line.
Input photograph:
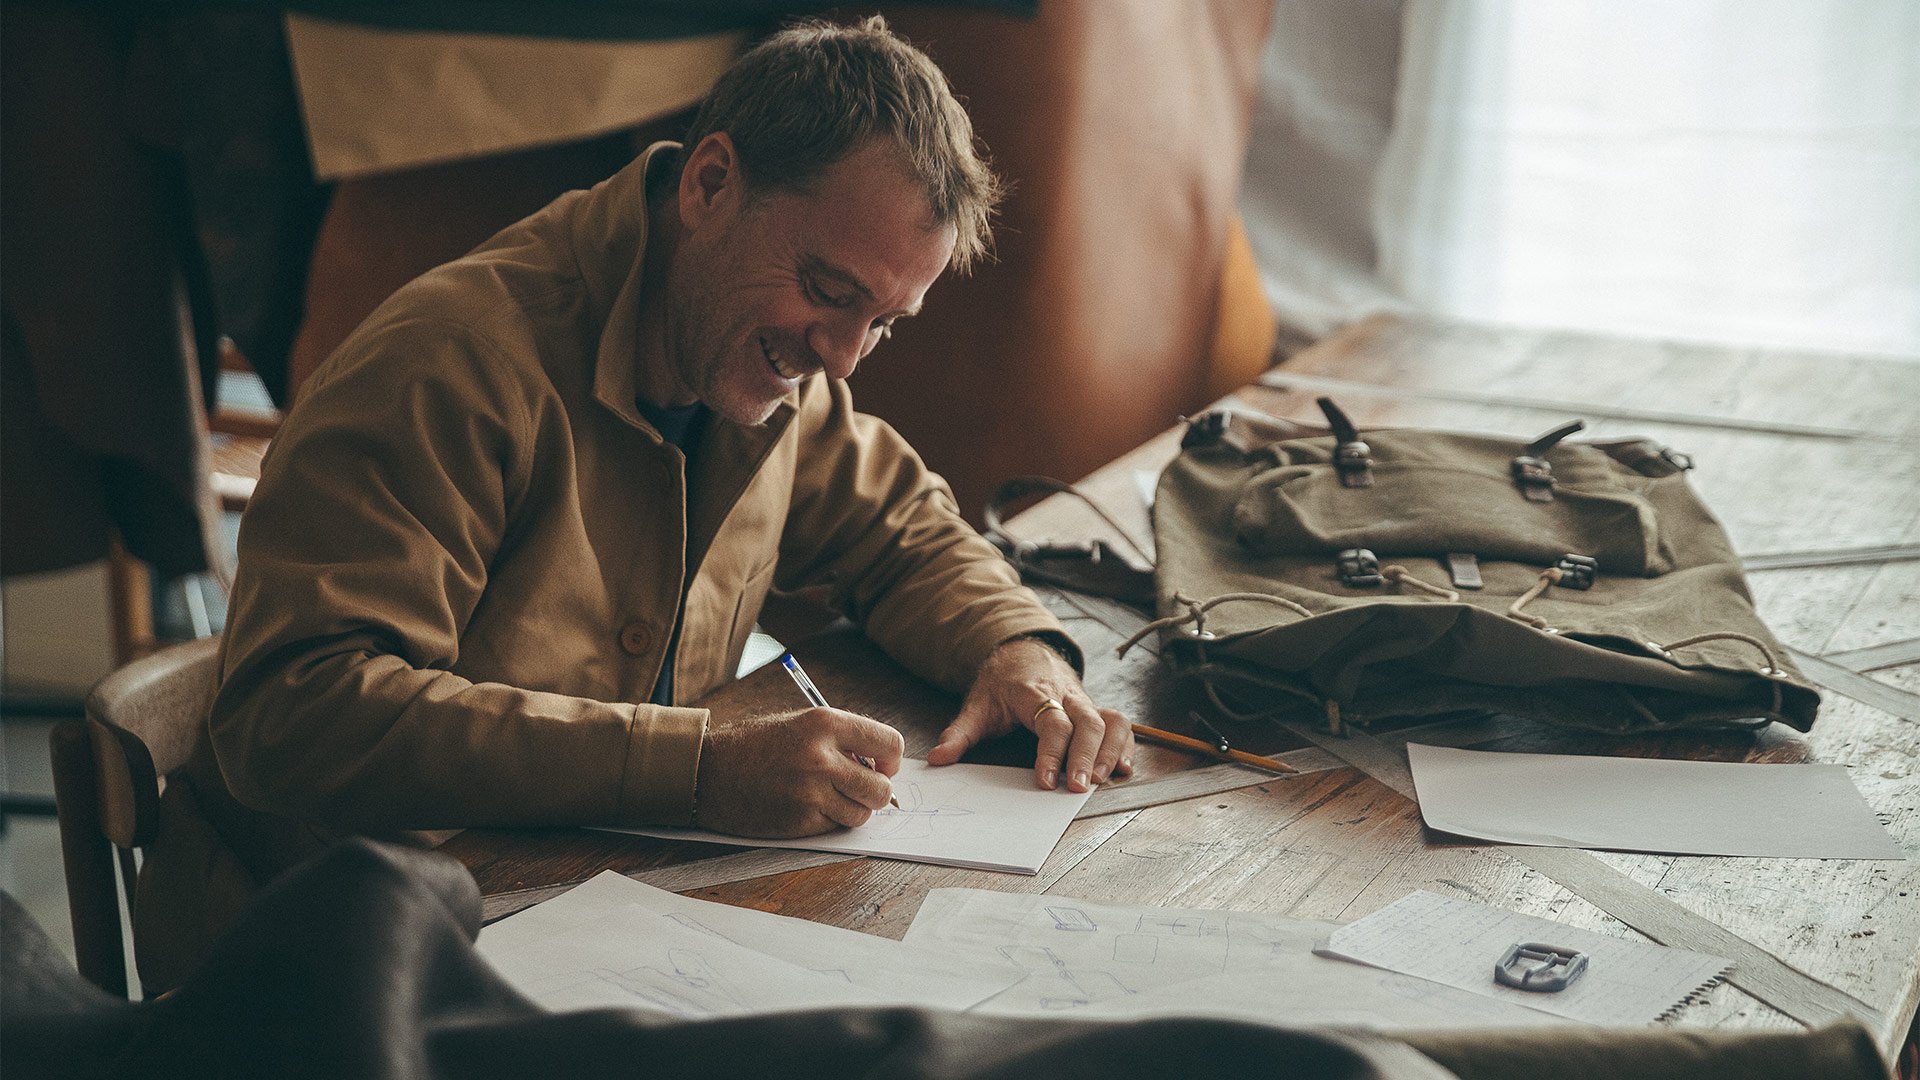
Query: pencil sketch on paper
x,y
1057,986
1067,918
917,815
696,925
1178,926
690,989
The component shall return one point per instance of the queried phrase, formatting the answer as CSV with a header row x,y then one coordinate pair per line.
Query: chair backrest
x,y
142,722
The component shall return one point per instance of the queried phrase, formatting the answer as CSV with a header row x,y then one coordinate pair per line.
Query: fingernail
x,y
1049,778
1080,778
1100,775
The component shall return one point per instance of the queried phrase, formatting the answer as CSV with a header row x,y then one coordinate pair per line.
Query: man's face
x,y
768,289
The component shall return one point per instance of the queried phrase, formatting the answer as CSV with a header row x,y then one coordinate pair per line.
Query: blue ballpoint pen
x,y
819,701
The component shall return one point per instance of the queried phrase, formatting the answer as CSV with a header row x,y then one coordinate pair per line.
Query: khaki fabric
x,y
1258,513
459,575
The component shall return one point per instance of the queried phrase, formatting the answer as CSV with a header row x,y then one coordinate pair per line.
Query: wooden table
x,y
1811,461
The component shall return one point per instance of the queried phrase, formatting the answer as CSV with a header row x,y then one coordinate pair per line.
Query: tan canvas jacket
x,y
462,565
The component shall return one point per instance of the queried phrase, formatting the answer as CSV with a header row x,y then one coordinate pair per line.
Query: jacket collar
x,y
610,228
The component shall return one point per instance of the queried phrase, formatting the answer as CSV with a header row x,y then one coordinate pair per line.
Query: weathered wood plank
x,y
1874,657
1862,688
1320,384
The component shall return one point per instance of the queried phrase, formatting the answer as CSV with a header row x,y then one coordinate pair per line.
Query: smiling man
x,y
532,507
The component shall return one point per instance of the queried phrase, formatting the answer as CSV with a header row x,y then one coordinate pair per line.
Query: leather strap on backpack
x,y
1088,566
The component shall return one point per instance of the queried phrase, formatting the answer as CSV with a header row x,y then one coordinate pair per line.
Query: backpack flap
x,y
1616,603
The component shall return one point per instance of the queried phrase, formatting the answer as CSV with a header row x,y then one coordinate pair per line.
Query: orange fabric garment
x,y
1114,303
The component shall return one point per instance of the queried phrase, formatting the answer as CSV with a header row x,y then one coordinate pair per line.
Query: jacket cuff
x,y
959,663
663,765
1059,642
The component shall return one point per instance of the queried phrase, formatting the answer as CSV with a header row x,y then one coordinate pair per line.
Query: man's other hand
x,y
1084,743
795,775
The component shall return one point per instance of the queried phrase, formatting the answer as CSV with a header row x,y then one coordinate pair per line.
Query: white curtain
x,y
1739,171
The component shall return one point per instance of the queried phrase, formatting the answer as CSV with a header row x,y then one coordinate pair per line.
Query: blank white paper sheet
x,y
1809,811
985,817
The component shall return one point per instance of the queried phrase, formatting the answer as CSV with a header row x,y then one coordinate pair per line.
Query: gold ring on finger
x,y
1050,703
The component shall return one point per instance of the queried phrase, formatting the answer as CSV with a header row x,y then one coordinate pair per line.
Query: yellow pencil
x,y
1185,742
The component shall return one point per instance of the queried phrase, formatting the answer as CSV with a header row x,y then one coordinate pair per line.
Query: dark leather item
x,y
109,336
1088,566
361,964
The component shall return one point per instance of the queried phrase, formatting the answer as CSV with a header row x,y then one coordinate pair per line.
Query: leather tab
x,y
1539,447
1464,568
1350,456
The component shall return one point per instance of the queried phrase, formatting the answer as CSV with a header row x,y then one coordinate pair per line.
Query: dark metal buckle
x,y
1542,969
1577,571
1359,568
1534,476
1354,464
1206,429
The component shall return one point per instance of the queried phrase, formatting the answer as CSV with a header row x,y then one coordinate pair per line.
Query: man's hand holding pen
x,y
795,774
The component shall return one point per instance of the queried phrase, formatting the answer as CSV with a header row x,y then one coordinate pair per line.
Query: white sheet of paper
x,y
899,973
634,958
1637,804
987,817
1458,942
1081,958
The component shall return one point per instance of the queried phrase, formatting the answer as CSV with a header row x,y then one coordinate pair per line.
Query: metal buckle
x,y
1534,476
1359,568
1577,571
1206,429
1542,969
1353,463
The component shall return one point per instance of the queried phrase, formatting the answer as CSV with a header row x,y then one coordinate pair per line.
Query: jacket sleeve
x,y
365,551
872,522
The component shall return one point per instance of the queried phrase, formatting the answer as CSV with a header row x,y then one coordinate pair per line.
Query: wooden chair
x,y
141,723
237,438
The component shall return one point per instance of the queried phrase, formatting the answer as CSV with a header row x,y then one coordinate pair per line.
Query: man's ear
x,y
710,179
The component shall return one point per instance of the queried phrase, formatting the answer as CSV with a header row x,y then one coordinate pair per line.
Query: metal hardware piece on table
x,y
1540,968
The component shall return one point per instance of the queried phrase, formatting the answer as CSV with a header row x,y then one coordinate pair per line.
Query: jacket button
x,y
636,638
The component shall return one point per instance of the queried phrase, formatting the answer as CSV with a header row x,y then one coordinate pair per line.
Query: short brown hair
x,y
814,92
